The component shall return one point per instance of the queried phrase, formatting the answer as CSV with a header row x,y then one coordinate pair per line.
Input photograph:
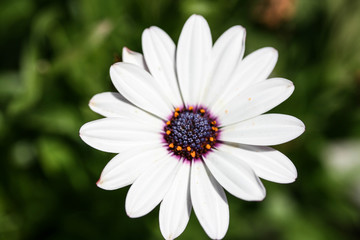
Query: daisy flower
x,y
188,122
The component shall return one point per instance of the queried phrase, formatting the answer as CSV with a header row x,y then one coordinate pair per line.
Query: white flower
x,y
189,122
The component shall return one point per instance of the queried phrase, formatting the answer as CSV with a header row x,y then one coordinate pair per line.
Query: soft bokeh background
x,y
56,55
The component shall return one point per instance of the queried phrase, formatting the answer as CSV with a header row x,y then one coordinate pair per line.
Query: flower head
x,y
188,122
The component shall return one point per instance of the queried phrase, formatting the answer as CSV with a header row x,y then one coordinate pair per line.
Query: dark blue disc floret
x,y
191,132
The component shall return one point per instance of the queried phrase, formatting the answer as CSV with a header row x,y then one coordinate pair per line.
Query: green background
x,y
56,55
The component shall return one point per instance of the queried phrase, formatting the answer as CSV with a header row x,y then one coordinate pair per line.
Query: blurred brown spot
x,y
357,85
117,58
357,77
273,13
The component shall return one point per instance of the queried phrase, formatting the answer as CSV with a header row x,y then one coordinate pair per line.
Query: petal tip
x,y
287,180
261,194
92,102
111,70
292,179
290,85
145,33
82,130
271,53
132,214
272,50
99,182
260,197
302,125
239,28
126,50
196,17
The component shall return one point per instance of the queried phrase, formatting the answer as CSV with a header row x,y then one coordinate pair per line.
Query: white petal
x,y
139,87
159,52
111,104
209,201
117,134
255,100
194,49
254,68
228,50
125,167
132,57
266,162
150,188
235,176
175,209
264,130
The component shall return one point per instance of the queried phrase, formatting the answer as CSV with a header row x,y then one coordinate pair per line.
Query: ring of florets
x,y
191,132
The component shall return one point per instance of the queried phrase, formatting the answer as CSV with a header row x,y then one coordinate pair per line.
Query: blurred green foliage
x,y
56,56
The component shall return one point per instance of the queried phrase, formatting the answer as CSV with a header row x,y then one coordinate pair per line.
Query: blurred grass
x,y
56,56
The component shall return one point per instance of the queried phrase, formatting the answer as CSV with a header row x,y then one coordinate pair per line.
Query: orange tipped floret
x,y
171,145
213,122
215,129
176,114
168,123
211,139
177,109
202,110
168,132
188,148
208,146
179,148
192,154
191,108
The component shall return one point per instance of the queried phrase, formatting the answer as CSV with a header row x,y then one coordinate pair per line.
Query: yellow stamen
x,y
202,110
211,139
191,108
176,114
171,145
188,148
208,146
168,132
179,148
215,129
192,153
168,123
177,109
213,122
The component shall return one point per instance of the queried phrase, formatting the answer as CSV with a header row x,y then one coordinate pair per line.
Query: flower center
x,y
191,132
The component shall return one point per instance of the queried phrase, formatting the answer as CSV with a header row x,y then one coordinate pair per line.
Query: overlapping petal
x,y
264,130
118,134
235,175
209,201
194,49
135,58
254,68
150,188
175,209
226,54
127,166
159,53
139,87
266,162
111,104
254,100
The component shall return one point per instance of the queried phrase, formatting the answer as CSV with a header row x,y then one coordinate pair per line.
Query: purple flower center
x,y
191,132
